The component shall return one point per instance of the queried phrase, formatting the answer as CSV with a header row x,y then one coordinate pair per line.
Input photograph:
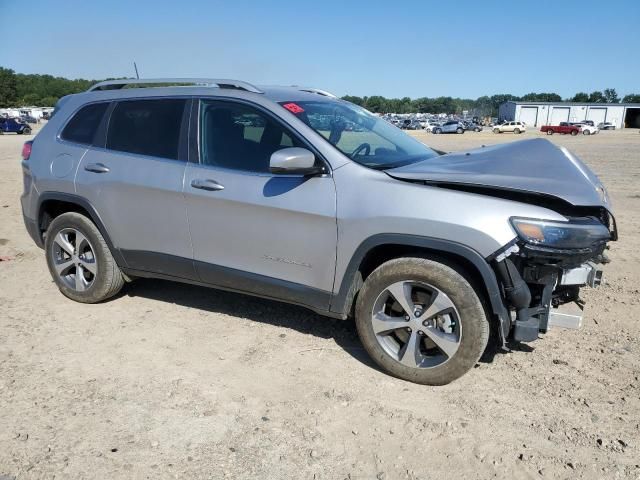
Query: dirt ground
x,y
177,381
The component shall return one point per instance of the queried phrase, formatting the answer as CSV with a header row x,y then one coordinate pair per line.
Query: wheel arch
x,y
380,248
54,204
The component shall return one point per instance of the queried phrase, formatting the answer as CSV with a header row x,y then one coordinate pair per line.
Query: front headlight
x,y
582,233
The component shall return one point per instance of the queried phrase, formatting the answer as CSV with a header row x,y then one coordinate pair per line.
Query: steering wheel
x,y
361,147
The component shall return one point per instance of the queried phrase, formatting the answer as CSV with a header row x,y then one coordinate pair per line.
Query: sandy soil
x,y
176,381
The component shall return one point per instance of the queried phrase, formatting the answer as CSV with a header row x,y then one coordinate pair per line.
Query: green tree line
x,y
481,106
19,89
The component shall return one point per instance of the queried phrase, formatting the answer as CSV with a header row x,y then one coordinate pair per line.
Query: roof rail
x,y
324,93
217,82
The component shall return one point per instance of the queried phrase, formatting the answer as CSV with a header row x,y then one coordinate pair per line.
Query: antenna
x,y
136,68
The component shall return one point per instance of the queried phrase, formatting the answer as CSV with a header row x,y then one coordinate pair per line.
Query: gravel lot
x,y
177,381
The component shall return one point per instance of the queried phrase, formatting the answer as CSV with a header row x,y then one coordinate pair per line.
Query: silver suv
x,y
292,194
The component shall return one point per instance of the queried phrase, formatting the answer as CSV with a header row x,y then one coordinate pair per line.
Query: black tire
x,y
27,131
459,130
20,132
437,131
472,317
108,279
549,132
496,130
516,131
574,133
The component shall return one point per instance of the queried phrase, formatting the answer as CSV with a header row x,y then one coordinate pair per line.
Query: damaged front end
x,y
547,265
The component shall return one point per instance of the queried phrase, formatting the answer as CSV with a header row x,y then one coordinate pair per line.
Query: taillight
x,y
26,150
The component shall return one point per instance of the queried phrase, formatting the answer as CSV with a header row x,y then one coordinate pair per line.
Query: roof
x,y
197,85
587,104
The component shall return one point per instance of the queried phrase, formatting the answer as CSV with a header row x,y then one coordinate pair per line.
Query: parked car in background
x,y
510,127
11,125
587,129
428,125
563,129
606,126
472,126
410,124
28,119
452,126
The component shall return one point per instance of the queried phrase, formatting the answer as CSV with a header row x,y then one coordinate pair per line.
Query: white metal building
x,y
536,114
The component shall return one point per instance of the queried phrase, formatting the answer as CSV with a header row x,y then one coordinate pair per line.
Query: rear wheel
x,y
459,130
437,131
574,133
80,261
421,321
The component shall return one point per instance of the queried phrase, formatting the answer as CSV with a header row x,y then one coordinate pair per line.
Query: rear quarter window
x,y
83,125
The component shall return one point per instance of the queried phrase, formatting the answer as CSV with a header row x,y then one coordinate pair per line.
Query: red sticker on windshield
x,y
293,108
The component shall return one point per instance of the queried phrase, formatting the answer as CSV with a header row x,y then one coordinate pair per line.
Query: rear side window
x,y
82,127
147,127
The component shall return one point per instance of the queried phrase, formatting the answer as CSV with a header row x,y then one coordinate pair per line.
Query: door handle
x,y
96,168
206,184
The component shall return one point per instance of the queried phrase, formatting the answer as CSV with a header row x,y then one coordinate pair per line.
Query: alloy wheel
x,y
416,324
74,259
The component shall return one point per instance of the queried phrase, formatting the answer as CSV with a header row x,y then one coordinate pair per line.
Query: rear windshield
x,y
360,135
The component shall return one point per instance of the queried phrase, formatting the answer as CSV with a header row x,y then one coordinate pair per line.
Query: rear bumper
x,y
33,230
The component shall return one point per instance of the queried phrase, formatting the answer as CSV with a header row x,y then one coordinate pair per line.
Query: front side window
x,y
84,124
240,137
360,135
147,127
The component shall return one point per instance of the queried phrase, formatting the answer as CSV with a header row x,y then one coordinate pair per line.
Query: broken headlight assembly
x,y
579,233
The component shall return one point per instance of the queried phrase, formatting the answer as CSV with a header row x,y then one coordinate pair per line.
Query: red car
x,y
563,128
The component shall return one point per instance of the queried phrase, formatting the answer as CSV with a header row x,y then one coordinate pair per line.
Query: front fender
x,y
343,299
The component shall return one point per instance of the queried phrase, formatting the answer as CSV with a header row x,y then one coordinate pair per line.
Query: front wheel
x,y
586,132
421,321
437,131
496,130
459,130
549,132
80,261
516,131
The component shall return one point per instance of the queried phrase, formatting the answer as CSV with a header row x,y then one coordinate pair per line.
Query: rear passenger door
x,y
134,176
254,231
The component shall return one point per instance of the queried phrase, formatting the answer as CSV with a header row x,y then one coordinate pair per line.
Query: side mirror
x,y
294,160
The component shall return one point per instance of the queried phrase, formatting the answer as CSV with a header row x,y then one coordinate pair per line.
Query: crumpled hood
x,y
533,166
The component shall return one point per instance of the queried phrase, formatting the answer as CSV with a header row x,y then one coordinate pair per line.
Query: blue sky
x,y
392,48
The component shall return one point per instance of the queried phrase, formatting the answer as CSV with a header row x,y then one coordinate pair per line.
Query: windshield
x,y
360,135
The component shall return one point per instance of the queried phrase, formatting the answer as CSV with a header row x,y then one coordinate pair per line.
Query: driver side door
x,y
254,231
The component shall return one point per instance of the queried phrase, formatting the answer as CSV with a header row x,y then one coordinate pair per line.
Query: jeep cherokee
x,y
292,194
